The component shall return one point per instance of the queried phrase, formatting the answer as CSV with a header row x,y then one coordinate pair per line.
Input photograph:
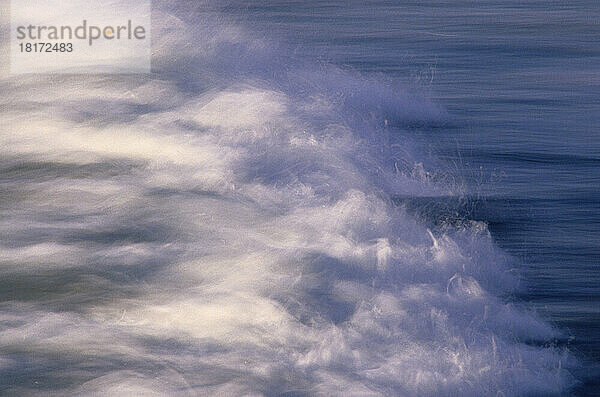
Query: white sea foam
x,y
225,227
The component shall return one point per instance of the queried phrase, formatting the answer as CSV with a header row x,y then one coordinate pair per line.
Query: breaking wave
x,y
226,226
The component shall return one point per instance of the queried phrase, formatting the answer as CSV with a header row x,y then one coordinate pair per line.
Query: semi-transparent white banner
x,y
80,36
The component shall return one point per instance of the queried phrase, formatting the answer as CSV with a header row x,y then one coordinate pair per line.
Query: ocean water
x,y
328,198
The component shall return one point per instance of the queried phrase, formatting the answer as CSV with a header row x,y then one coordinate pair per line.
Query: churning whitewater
x,y
225,227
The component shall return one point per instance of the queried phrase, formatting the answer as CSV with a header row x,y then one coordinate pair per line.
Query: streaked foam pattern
x,y
225,227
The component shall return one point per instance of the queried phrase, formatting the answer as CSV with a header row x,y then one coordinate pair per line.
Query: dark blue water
x,y
522,82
